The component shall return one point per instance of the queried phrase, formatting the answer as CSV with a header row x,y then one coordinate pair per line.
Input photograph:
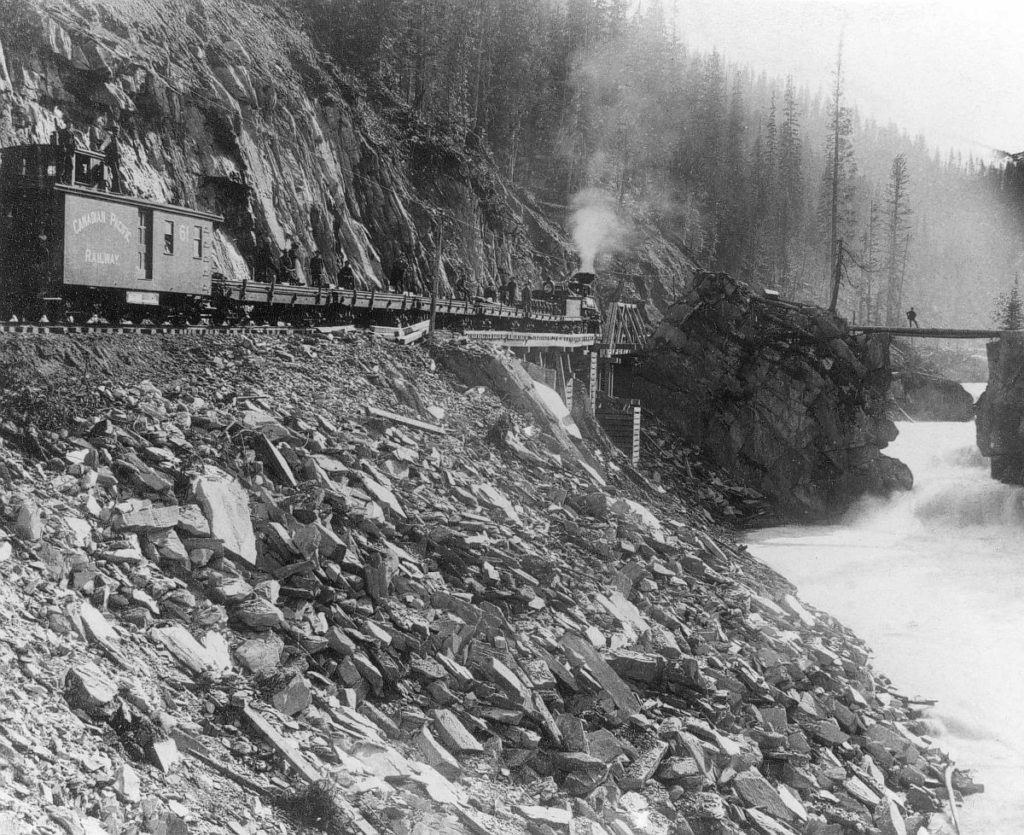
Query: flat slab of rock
x,y
294,697
643,768
505,680
192,522
767,825
453,734
610,680
186,649
148,519
260,655
758,793
89,688
275,462
127,785
558,819
436,755
638,666
226,507
164,754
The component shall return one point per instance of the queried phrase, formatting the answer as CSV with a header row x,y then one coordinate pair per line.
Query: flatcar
x,y
72,249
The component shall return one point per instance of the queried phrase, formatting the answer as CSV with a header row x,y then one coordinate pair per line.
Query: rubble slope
x,y
258,584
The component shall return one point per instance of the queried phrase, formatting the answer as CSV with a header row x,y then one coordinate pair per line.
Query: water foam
x,y
934,580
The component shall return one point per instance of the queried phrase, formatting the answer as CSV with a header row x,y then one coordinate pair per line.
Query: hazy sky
x,y
950,69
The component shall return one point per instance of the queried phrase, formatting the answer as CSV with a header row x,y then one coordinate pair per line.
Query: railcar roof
x,y
129,200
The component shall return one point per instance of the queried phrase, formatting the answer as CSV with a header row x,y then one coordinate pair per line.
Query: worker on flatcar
x,y
112,157
287,273
346,275
67,142
398,274
527,298
511,291
316,269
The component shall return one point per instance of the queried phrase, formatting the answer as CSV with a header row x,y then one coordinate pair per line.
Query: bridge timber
x,y
930,333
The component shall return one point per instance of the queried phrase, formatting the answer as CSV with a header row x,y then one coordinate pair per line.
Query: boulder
x,y
225,505
923,396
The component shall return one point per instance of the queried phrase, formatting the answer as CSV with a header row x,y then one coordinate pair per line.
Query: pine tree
x,y
1009,313
789,202
840,170
897,236
870,302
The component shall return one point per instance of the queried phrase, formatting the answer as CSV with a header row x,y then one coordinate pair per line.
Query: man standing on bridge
x,y
912,318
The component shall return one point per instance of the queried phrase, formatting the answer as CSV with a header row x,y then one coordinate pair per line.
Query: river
x,y
933,580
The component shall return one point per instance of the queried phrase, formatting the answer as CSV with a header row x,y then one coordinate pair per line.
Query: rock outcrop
x,y
924,396
1000,410
780,395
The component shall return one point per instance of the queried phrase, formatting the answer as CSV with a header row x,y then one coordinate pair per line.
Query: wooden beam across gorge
x,y
930,333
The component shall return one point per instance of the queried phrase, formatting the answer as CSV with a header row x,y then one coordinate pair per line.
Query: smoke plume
x,y
595,227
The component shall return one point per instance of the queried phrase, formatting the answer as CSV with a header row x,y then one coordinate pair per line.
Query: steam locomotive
x,y
71,250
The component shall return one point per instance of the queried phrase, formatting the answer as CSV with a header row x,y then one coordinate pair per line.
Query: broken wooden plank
x,y
416,424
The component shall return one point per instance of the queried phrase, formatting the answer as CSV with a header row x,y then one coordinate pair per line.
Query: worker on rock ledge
x,y
912,318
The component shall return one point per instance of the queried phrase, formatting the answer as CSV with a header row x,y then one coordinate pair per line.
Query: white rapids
x,y
933,580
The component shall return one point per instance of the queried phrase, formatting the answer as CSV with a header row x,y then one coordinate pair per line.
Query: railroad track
x,y
198,330
404,335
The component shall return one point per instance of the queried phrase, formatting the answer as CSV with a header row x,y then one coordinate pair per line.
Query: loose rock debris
x,y
234,600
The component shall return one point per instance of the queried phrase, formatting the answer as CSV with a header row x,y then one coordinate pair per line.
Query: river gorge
x,y
933,580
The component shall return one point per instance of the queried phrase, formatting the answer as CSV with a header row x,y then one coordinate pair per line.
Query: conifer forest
x,y
592,101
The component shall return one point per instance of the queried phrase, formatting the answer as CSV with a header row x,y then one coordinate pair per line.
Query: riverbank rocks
x,y
436,632
778,394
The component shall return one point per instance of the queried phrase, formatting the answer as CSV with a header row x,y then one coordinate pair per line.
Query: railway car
x,y
73,250
69,247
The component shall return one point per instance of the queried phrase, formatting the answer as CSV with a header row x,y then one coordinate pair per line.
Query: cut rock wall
x,y
229,108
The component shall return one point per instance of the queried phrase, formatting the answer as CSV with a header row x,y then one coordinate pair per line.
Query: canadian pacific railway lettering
x,y
87,219
102,257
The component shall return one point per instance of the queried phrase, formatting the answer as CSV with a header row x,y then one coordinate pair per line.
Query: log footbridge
x,y
931,333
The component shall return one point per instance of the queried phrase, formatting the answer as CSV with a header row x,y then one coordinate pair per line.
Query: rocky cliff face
x,y
1000,409
782,396
228,107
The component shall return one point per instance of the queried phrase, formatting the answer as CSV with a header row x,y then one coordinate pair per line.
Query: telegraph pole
x,y
437,278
